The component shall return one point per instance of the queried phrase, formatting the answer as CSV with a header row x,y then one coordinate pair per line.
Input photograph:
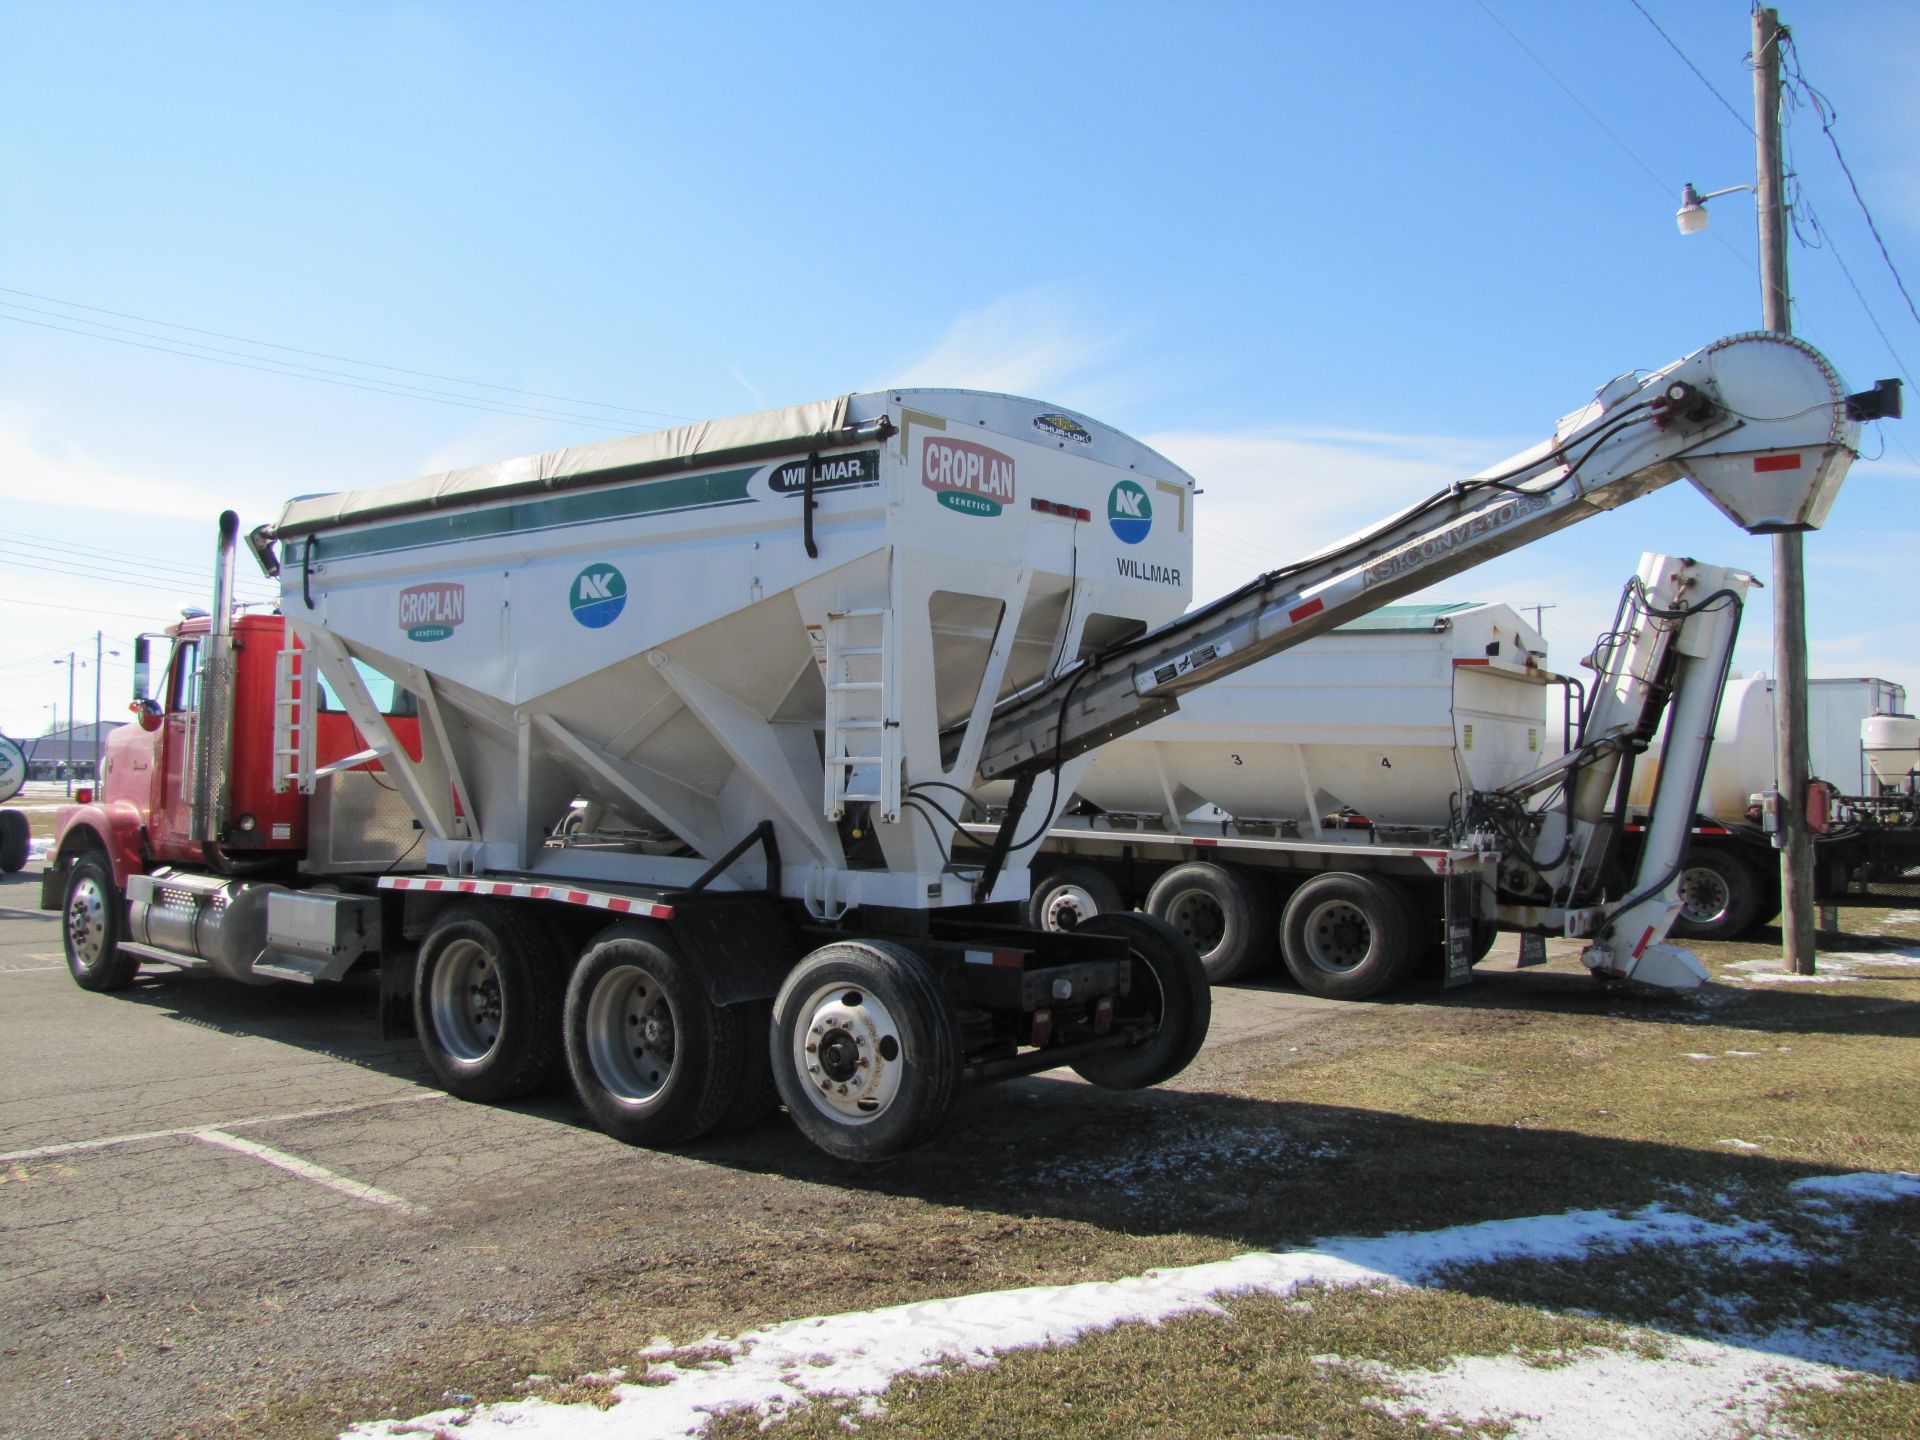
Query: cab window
x,y
391,699
184,689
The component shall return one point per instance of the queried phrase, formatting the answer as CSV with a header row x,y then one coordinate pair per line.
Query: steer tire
x,y
866,1049
1719,896
486,1002
1068,896
1168,983
1224,910
16,839
1349,937
653,1059
93,922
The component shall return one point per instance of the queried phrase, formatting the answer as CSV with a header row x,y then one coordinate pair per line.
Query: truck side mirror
x,y
145,709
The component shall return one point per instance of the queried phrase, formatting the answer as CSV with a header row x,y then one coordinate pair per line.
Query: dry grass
x,y
1518,1096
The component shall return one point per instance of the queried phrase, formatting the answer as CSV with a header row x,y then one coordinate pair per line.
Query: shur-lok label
x,y
430,612
973,479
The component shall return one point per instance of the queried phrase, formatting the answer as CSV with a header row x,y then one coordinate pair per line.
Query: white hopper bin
x,y
1391,717
640,625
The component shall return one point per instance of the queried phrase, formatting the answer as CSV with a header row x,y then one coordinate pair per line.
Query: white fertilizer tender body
x,y
793,617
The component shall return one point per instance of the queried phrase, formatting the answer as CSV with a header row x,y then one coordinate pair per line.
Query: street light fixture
x,y
1691,217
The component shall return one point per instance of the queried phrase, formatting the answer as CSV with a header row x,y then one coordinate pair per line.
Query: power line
x,y
1823,108
1745,124
273,368
292,368
346,359
101,553
143,615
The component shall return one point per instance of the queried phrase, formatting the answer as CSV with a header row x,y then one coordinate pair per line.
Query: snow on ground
x,y
859,1355
1608,1394
1834,966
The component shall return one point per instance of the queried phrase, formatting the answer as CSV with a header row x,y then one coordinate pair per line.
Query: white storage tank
x,y
1892,746
1741,765
1388,717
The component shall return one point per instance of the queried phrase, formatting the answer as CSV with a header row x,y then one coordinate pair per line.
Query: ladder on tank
x,y
863,733
293,715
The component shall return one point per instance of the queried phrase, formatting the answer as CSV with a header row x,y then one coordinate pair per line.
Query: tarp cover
x,y
573,465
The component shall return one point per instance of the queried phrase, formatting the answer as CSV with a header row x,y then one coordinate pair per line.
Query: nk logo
x,y
1129,512
598,596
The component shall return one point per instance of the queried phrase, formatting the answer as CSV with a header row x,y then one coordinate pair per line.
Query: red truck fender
x,y
115,828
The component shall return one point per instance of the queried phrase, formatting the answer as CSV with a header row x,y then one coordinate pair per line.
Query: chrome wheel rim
x,y
848,1054
1703,895
632,1040
86,922
1068,908
466,1001
1338,936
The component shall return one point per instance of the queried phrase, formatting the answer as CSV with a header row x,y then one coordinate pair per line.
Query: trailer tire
x,y
756,1097
1349,937
865,1049
486,1002
653,1059
92,923
1225,911
1168,979
1068,897
1719,896
16,839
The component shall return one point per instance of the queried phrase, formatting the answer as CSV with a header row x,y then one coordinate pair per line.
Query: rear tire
x,y
1349,937
1719,896
866,1049
93,921
486,1002
16,839
1168,982
1225,911
1068,897
654,1060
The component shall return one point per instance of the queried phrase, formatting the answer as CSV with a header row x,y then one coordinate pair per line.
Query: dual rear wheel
x,y
862,1043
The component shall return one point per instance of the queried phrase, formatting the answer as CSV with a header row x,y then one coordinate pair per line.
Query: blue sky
x,y
1324,256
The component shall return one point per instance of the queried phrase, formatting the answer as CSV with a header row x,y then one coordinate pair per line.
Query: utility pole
x,y
99,643
1791,765
69,665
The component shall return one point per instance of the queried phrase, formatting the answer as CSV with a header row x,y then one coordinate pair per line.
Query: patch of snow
x,y
39,847
1693,1055
1744,1054
1741,1144
1903,917
1697,1391
860,1354
1861,1187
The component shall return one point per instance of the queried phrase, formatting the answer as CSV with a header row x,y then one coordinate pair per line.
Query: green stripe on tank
x,y
549,512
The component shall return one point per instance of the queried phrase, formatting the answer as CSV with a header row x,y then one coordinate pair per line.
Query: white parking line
x,y
307,1170
43,1152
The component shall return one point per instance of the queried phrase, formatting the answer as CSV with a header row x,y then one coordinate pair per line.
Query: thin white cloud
x,y
36,472
1033,343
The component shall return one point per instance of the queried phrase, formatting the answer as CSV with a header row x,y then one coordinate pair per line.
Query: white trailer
x,y
1352,756
672,723
1870,844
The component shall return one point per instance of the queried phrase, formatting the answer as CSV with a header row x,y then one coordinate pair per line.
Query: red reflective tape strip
x,y
1006,958
431,885
1473,662
1301,612
540,892
505,889
578,897
1643,942
1202,840
1764,463
623,906
1711,830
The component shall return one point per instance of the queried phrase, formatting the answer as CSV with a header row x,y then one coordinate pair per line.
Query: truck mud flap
x,y
741,945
